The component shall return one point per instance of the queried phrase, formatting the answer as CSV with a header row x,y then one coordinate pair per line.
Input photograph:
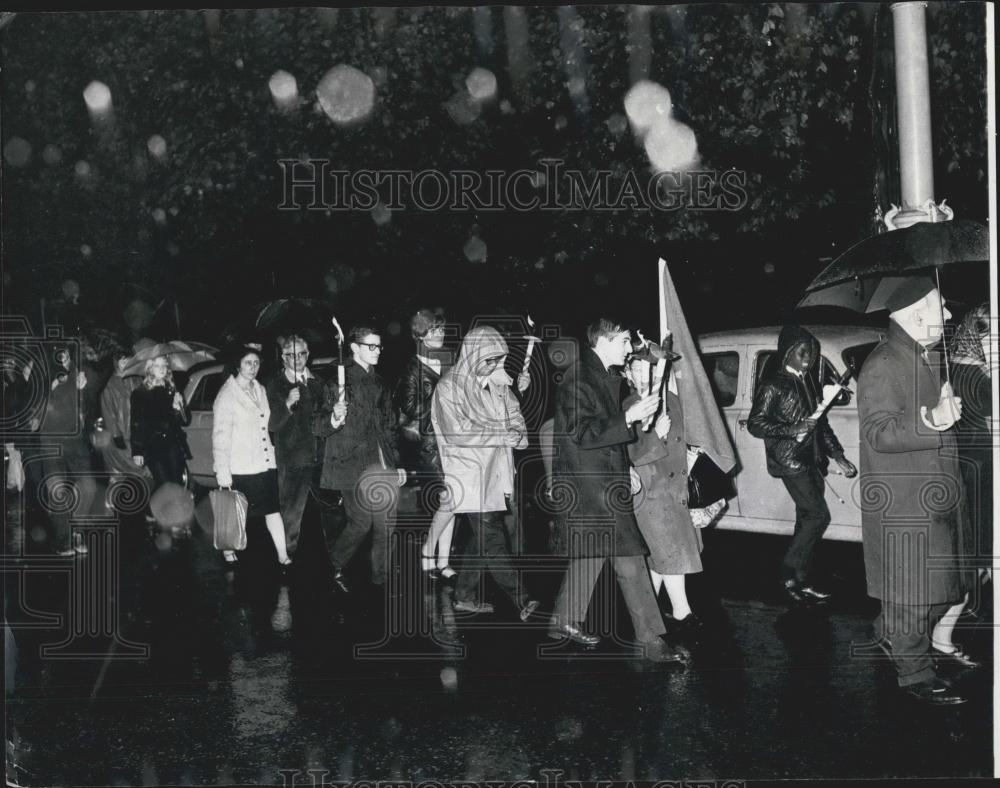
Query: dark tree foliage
x,y
792,95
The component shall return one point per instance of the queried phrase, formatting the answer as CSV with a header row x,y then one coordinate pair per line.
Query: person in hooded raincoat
x,y
797,448
478,423
912,499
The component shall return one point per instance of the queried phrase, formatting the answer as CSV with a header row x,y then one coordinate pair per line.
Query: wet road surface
x,y
218,677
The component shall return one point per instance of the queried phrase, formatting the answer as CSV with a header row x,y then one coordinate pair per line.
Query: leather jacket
x,y
413,400
781,403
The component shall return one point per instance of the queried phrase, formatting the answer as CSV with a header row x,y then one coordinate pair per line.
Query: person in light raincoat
x,y
478,423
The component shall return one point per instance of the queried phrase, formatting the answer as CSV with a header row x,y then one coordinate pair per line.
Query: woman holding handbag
x,y
242,452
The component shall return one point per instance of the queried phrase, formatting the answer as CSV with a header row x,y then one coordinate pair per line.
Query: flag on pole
x,y
703,423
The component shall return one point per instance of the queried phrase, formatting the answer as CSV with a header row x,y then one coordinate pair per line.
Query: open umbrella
x,y
181,356
863,277
307,317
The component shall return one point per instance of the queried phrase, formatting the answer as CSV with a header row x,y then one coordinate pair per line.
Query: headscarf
x,y
967,346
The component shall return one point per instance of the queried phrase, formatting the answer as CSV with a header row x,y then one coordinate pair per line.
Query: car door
x,y
200,394
761,495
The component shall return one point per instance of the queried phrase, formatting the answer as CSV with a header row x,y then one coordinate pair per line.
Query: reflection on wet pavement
x,y
249,673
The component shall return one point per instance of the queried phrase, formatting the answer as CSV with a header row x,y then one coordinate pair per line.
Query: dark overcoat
x,y
590,487
910,487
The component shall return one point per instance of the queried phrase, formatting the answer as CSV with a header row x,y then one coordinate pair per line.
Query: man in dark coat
x,y
360,456
797,449
911,488
594,482
293,395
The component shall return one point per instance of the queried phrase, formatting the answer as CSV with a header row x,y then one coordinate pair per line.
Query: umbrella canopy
x,y
862,278
181,356
909,250
858,295
307,317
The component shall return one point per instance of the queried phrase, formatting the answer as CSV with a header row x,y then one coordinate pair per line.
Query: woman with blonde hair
x,y
157,420
242,452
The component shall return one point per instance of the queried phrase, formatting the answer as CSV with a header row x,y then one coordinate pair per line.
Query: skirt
x,y
261,490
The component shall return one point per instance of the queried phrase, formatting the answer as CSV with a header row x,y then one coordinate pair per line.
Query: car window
x,y
723,370
206,391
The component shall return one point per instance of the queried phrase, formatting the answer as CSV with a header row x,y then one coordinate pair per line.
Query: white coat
x,y
240,440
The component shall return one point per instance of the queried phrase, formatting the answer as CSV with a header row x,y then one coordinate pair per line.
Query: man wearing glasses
x,y
293,394
360,456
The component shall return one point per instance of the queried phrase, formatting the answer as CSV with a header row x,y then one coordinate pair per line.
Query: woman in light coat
x,y
242,451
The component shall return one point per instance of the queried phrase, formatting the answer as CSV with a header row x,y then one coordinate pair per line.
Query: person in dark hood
x,y
798,448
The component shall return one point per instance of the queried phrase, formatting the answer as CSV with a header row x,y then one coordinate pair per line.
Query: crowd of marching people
x,y
621,452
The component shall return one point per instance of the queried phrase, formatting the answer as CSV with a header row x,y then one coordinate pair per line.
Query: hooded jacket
x,y
478,422
782,402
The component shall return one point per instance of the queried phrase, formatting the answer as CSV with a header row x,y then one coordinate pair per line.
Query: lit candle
x,y
661,291
531,346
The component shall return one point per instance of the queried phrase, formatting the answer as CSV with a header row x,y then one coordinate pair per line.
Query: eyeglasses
x,y
372,346
492,361
296,354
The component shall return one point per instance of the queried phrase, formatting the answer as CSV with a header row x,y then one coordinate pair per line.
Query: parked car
x,y
736,361
202,387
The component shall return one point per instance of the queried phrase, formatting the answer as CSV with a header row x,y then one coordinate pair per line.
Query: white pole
x,y
913,111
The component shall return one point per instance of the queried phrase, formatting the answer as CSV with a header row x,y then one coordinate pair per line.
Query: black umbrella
x,y
307,317
906,252
864,276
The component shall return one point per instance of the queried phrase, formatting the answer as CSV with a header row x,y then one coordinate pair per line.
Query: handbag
x,y
229,515
15,471
707,482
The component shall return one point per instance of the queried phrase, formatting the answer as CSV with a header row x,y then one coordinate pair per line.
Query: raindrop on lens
x,y
481,84
346,94
97,96
284,89
157,146
647,103
17,152
671,146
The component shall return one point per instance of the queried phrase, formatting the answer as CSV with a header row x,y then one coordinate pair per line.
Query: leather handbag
x,y
707,483
229,515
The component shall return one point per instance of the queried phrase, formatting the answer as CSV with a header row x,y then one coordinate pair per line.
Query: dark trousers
x,y
165,460
633,580
293,491
369,506
908,629
487,548
812,516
